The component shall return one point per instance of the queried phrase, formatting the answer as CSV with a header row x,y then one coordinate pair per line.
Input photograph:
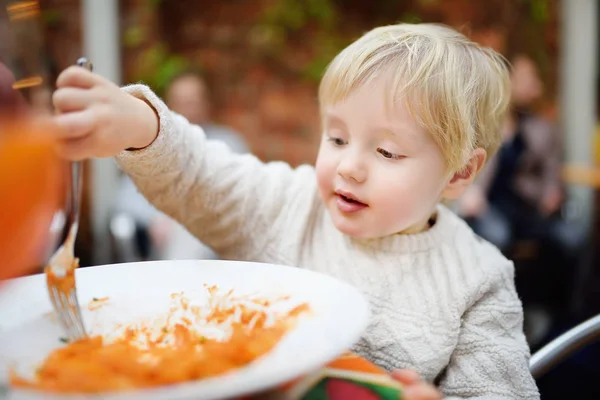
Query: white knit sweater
x,y
443,301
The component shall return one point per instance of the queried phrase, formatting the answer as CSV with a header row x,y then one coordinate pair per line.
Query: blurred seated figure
x,y
138,213
188,94
519,195
157,235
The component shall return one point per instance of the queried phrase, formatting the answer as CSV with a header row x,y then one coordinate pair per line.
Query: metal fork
x,y
60,271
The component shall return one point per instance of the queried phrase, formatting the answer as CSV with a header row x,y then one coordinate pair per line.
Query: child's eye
x,y
389,155
337,141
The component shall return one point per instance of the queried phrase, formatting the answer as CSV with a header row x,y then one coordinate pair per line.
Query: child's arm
x,y
491,358
233,203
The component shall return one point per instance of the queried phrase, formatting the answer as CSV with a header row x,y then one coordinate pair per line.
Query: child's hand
x,y
414,387
97,118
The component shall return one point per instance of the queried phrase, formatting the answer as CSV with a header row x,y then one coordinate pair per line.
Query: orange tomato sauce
x,y
141,358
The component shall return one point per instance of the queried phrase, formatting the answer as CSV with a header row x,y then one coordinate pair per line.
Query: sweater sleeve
x,y
491,359
232,202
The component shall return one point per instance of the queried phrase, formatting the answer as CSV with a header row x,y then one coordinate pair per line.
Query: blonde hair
x,y
456,89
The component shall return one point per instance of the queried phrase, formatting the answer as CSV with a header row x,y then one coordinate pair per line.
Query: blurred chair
x,y
564,346
122,230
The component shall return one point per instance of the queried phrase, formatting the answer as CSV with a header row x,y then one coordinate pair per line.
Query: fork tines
x,y
63,296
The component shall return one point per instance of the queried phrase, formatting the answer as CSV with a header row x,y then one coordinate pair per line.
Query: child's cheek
x,y
325,170
324,182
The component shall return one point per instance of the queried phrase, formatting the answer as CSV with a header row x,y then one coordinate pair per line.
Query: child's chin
x,y
352,230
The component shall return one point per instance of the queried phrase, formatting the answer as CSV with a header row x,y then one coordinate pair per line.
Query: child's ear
x,y
460,180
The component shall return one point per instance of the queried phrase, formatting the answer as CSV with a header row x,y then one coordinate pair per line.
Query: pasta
x,y
179,351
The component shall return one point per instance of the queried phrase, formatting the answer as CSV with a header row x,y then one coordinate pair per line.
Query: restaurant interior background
x,y
262,60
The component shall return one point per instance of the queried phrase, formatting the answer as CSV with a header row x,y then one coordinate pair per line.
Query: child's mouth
x,y
349,200
349,205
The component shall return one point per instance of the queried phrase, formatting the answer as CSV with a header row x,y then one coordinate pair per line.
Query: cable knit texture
x,y
443,301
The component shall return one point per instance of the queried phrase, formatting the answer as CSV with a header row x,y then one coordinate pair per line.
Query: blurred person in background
x,y
519,195
523,180
188,94
157,235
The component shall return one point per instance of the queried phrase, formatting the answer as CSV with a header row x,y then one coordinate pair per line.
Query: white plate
x,y
339,316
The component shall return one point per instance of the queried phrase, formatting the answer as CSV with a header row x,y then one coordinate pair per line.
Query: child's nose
x,y
352,168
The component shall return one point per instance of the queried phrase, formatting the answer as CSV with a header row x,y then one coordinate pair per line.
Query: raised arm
x,y
234,203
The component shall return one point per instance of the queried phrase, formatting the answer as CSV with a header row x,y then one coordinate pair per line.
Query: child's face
x,y
379,173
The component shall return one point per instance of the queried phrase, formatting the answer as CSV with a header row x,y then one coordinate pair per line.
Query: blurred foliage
x,y
293,15
320,29
51,17
532,36
154,4
539,10
156,65
134,36
284,20
411,17
321,26
326,47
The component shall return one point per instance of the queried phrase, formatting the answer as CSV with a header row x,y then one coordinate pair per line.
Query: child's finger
x,y
75,124
78,77
421,391
71,99
406,376
76,149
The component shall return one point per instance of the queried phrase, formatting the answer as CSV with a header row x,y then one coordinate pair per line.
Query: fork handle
x,y
77,167
85,63
76,189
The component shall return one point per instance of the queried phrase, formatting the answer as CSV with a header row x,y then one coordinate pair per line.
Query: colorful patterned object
x,y
348,377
